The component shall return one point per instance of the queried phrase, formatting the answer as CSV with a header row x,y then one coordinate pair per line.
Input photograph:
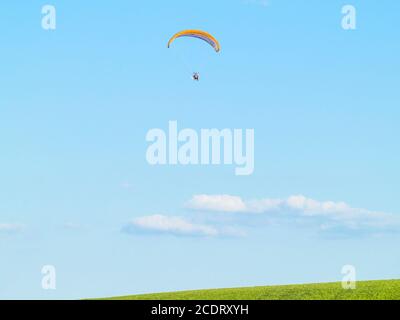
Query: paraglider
x,y
199,34
205,36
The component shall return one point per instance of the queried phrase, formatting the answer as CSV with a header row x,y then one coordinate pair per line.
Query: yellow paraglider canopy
x,y
205,36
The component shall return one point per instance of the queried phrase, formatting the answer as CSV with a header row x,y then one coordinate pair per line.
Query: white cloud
x,y
178,226
329,213
220,203
263,205
10,227
229,203
169,225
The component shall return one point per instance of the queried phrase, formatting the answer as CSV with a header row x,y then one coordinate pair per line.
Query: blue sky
x,y
76,104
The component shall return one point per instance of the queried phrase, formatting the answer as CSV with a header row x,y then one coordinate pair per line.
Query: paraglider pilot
x,y
196,76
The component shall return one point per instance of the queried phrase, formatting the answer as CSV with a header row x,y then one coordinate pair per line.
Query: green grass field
x,y
366,290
